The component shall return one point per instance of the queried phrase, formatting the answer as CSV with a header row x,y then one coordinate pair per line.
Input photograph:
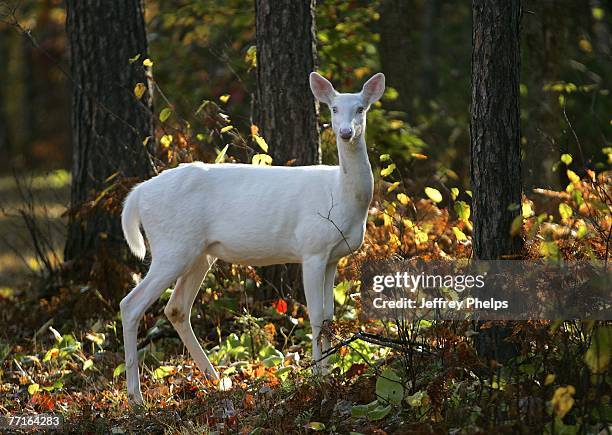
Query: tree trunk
x,y
286,111
494,128
495,144
108,123
397,49
5,149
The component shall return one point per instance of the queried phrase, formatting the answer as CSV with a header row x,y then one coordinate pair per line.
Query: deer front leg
x,y
328,303
313,270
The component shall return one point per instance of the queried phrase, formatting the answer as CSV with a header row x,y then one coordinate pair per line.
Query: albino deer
x,y
251,215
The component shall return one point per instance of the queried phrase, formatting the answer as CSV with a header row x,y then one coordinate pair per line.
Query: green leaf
x,y
389,386
118,370
385,157
165,114
134,59
340,292
96,337
433,194
316,426
462,209
164,371
227,128
597,356
379,412
416,399
388,170
88,364
221,154
261,142
565,211
567,159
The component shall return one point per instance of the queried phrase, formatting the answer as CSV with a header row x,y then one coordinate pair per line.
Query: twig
x,y
328,218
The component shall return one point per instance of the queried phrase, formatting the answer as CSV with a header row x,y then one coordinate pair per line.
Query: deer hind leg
x,y
178,310
133,307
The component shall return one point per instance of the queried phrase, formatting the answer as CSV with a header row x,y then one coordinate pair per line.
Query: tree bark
x,y
495,145
108,123
494,127
5,149
286,111
396,49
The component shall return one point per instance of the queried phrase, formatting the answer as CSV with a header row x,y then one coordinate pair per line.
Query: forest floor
x,y
61,351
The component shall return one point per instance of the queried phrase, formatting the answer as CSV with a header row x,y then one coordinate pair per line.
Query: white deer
x,y
251,215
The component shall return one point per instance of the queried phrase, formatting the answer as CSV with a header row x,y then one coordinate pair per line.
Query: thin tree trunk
x,y
4,133
495,144
428,39
397,49
108,123
285,110
494,128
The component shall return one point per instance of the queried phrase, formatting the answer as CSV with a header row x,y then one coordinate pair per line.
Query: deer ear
x,y
374,88
321,88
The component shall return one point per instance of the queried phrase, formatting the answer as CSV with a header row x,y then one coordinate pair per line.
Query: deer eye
x,y
335,109
360,110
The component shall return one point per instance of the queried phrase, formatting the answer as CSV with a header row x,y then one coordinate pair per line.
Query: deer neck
x,y
356,179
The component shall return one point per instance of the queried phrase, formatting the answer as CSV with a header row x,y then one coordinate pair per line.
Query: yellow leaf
x,y
224,98
393,187
550,378
403,199
166,140
139,90
147,62
585,45
226,128
261,142
454,193
598,13
387,171
460,235
262,159
574,178
565,211
527,210
563,400
33,389
221,154
254,130
433,194
516,225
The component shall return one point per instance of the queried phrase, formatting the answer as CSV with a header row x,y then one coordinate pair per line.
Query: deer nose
x,y
346,133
